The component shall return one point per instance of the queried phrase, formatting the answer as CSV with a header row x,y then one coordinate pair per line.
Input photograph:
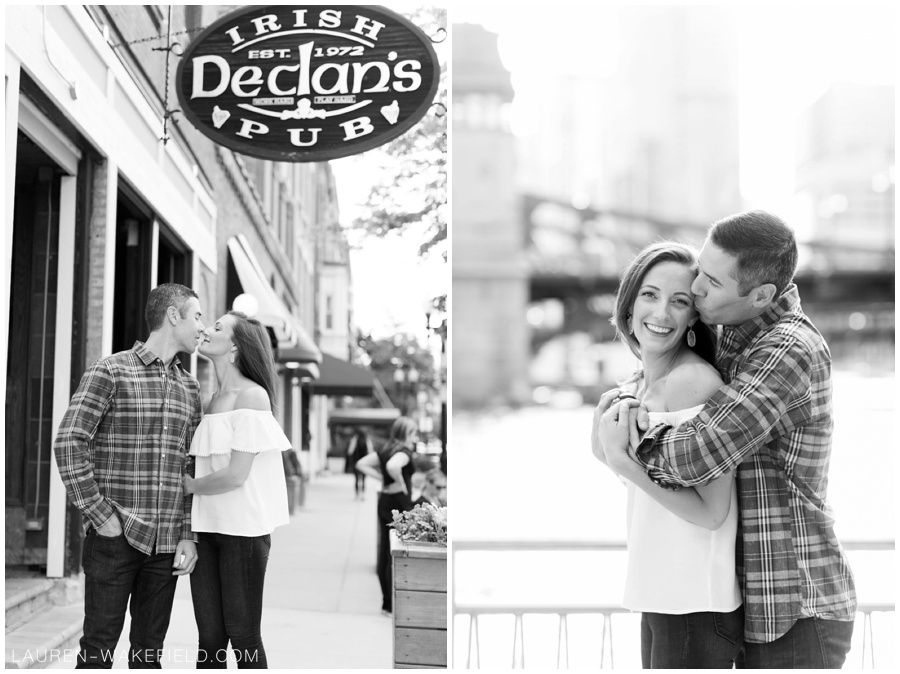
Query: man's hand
x,y
606,400
184,565
617,426
111,528
188,485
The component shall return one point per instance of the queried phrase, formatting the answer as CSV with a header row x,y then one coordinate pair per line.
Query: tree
x,y
411,188
400,352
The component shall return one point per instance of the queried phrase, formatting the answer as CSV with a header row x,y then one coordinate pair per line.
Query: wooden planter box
x,y
420,604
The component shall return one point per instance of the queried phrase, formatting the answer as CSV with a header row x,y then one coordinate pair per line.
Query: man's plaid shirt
x,y
773,420
122,447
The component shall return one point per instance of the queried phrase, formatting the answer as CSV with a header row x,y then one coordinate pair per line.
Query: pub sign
x,y
307,83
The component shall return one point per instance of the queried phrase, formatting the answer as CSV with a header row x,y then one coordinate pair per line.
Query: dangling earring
x,y
691,337
630,326
231,359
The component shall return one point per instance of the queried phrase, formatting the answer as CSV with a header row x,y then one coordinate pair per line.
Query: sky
x,y
789,54
391,282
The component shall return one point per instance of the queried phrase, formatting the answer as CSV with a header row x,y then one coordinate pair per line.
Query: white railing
x,y
476,609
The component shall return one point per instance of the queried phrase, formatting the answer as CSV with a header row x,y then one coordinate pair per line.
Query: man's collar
x,y
788,301
147,356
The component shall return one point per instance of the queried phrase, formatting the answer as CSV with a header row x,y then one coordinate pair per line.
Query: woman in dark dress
x,y
393,465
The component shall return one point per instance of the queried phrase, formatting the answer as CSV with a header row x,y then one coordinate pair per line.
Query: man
x,y
121,451
772,420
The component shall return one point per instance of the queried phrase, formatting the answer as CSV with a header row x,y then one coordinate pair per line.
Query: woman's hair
x,y
254,357
402,429
633,278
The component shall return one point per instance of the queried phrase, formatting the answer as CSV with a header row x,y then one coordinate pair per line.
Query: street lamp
x,y
441,330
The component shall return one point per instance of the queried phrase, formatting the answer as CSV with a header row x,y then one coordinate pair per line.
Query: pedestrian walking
x,y
121,452
360,446
240,495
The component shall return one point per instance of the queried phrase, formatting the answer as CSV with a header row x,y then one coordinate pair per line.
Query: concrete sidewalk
x,y
322,602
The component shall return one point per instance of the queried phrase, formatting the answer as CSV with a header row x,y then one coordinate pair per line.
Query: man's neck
x,y
163,346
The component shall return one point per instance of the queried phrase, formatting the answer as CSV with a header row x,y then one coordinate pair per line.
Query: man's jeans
x,y
115,571
227,588
812,643
704,640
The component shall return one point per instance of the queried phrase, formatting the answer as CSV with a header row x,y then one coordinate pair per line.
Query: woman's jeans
x,y
812,643
115,571
227,589
387,503
705,640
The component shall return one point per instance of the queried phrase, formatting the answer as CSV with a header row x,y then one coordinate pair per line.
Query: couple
x,y
123,452
732,553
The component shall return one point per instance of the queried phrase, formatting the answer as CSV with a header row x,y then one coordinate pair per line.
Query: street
x,y
322,602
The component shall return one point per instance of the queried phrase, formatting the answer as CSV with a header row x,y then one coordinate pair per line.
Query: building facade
x,y
109,193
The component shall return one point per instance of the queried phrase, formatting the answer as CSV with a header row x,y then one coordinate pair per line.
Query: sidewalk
x,y
322,602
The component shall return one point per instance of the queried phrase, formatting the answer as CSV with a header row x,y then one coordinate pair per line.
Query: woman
x,y
681,544
393,465
239,493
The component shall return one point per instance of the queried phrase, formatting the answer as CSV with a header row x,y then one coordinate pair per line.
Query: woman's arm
x,y
368,465
395,467
706,506
224,480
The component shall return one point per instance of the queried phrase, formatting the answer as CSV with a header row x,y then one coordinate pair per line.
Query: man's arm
x,y
736,421
78,427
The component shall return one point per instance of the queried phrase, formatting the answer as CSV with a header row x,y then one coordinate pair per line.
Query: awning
x,y
271,312
305,351
340,378
303,370
363,416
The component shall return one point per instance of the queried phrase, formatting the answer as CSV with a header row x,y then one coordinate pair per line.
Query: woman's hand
x,y
606,400
188,485
616,430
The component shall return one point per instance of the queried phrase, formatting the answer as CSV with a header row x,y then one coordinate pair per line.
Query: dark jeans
x,y
705,640
227,589
812,643
387,503
113,572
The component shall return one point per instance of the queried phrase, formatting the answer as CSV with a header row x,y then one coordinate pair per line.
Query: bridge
x,y
577,254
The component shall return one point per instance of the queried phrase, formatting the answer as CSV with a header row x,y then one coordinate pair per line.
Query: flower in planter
x,y
424,523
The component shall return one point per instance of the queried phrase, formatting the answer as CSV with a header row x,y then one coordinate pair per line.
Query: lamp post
x,y
441,331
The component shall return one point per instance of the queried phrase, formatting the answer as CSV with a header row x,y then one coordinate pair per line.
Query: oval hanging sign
x,y
307,83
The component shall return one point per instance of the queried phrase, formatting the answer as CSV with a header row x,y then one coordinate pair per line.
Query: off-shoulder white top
x,y
674,566
260,504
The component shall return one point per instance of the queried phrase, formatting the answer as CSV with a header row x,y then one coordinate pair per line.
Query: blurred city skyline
x,y
775,61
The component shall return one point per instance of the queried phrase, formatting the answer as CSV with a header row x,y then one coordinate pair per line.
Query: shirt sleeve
x,y
772,388
256,432
187,532
72,448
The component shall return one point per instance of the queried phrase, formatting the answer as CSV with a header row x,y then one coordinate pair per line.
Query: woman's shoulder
x,y
691,383
253,397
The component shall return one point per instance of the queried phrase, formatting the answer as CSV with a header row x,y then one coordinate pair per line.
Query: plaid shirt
x,y
122,447
773,421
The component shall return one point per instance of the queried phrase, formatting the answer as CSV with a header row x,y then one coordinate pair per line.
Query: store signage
x,y
307,83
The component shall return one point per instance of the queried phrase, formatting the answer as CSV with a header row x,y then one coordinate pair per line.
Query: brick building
x,y
110,194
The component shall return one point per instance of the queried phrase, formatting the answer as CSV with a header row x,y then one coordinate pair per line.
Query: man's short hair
x,y
764,246
161,298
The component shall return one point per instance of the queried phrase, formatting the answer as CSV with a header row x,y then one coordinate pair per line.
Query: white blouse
x,y
674,566
260,504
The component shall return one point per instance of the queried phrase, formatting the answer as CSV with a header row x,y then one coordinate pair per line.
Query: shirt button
x,y
165,428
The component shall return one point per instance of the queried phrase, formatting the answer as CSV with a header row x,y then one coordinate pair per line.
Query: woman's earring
x,y
691,338
630,328
231,359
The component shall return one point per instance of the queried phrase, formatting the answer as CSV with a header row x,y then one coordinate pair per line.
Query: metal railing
x,y
518,610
